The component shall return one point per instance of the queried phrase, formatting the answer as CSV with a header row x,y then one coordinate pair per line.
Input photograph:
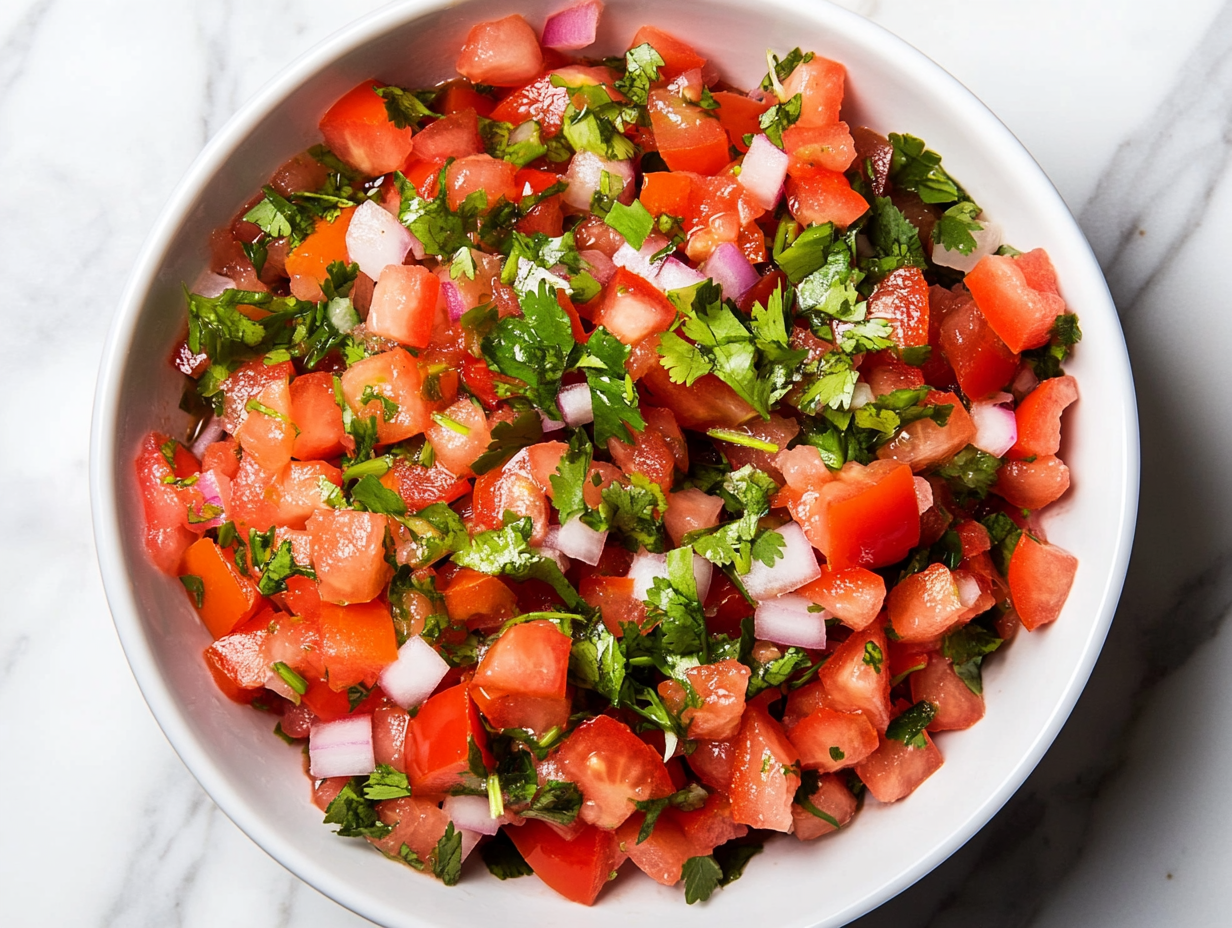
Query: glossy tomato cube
x,y
348,553
396,376
358,130
315,411
404,304
765,773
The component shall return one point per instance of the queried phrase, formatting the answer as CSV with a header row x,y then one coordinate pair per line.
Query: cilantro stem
x,y
291,678
452,424
496,802
740,438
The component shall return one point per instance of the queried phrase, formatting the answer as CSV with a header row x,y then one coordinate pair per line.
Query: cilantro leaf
x,y
633,222
533,348
281,566
195,587
746,492
597,661
557,801
278,217
507,551
782,69
613,396
386,783
953,230
909,726
966,648
518,145
971,473
503,859
733,858
1004,534
673,602
1046,361
633,514
402,107
806,253
642,65
508,438
355,815
776,672
701,877
893,237
374,496
441,230
779,118
434,531
913,167
447,856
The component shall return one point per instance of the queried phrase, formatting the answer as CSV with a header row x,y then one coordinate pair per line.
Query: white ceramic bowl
x,y
1030,690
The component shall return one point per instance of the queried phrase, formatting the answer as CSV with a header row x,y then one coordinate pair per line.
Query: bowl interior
x,y
1029,690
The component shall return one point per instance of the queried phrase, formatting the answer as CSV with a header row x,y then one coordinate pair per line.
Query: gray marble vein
x,y
19,43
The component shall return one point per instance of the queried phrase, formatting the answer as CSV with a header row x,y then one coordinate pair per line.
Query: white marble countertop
x,y
1127,106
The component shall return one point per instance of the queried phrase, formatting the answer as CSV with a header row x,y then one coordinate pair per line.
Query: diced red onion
x,y
579,541
470,840
763,171
996,428
862,395
572,28
787,620
549,424
923,495
216,489
342,748
211,284
410,679
638,261
646,567
375,239
987,241
576,404
1024,382
601,266
211,432
586,173
968,588
674,274
453,300
730,269
796,567
472,813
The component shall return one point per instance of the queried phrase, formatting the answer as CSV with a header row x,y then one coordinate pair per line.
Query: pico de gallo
x,y
593,461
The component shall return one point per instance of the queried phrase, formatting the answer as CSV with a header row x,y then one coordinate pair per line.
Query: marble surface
x,y
1128,107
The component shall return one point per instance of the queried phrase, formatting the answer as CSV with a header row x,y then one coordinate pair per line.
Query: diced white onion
x,y
763,171
987,241
576,404
572,28
923,495
342,748
579,541
585,174
549,424
862,395
410,679
638,261
674,274
968,588
788,620
796,567
646,567
211,284
549,548
996,427
472,813
375,239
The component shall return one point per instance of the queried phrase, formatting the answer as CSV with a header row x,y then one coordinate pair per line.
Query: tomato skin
x,y
902,299
853,594
764,780
1039,417
708,404
503,53
832,797
528,662
420,487
307,264
510,488
824,196
418,823
348,554
856,678
689,138
613,768
461,95
481,173
404,304
454,136
957,706
578,868
357,642
1032,484
825,732
237,660
665,193
1040,576
740,116
690,510
632,308
894,770
1019,313
828,147
315,412
478,600
721,687
438,740
925,605
981,361
820,82
230,598
244,383
870,523
456,452
538,100
649,455
164,507
613,597
269,436
923,443
357,129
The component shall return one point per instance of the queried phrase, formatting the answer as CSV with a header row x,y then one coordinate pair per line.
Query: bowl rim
x,y
163,702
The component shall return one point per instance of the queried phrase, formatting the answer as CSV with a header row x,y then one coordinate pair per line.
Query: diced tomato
x,y
1040,576
267,435
708,404
713,762
244,383
720,686
357,642
164,506
649,455
307,264
902,299
981,361
222,457
237,660
299,492
348,553
510,489
459,435
721,209
663,854
389,724
420,487
539,100
1020,314
666,193
853,594
520,683
254,495
924,443
894,770
869,517
357,129
1039,417
831,740
315,412
764,773
820,84
740,116
327,791
613,597
777,431
404,304
957,706
926,604
481,174
824,196
458,96
856,678
478,599
726,607
577,867
613,768
417,823
689,137
690,510
677,56
327,704
503,53
395,376
229,597
439,738
831,797
829,148
633,309
1033,484
455,136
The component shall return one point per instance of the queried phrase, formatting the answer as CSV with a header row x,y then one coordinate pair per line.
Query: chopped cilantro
x,y
503,859
971,473
966,649
402,107
291,678
195,587
913,167
386,783
733,857
447,856
277,567
642,65
557,801
953,230
355,815
374,496
518,145
873,655
780,117
909,726
702,876
633,222
613,396
508,438
533,348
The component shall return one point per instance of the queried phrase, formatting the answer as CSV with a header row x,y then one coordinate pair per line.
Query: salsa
x,y
593,461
